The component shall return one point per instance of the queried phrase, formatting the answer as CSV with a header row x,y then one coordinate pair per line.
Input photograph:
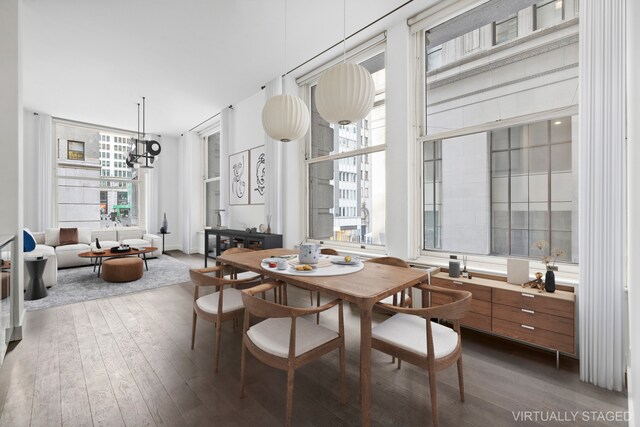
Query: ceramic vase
x,y
550,281
165,224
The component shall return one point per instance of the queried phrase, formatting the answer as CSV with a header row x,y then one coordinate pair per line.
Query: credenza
x,y
234,238
543,319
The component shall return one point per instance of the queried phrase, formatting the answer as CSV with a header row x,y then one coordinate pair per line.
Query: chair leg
x,y
343,383
242,368
460,378
311,297
193,329
285,299
318,305
434,397
399,363
218,336
290,377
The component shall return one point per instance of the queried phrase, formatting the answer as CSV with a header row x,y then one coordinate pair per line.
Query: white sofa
x,y
48,244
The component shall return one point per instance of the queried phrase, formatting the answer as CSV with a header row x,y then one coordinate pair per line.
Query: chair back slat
x,y
265,309
201,279
461,301
389,260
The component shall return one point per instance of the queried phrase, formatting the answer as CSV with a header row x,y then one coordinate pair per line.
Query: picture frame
x,y
239,187
258,175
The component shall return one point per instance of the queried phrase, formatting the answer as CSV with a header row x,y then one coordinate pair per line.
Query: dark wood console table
x,y
247,240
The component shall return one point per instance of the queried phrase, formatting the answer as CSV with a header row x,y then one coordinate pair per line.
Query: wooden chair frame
x,y
200,278
452,312
266,309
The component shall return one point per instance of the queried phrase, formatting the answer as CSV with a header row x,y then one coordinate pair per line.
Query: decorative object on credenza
x,y
537,283
268,231
334,103
165,224
285,117
454,266
143,148
258,175
219,217
550,263
238,178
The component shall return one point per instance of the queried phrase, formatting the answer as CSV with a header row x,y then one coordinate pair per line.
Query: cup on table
x,y
282,264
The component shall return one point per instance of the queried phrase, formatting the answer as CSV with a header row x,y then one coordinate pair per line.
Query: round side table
x,y
36,289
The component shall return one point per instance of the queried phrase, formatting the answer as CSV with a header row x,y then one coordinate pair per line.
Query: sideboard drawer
x,y
477,306
532,334
479,292
537,302
525,316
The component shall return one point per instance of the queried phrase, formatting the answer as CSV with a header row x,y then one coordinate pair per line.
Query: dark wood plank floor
x,y
127,361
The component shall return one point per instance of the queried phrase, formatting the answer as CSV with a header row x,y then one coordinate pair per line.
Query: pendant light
x,y
345,92
285,117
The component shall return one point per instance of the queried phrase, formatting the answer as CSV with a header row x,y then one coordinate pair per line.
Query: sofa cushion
x,y
52,237
78,247
137,243
130,233
104,244
68,236
43,250
84,235
111,235
39,236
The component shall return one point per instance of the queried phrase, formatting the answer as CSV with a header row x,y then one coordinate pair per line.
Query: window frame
x,y
69,150
494,29
360,55
215,128
536,26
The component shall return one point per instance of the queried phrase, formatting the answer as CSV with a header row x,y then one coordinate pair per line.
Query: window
x,y
346,172
434,58
75,150
212,179
471,41
505,30
531,188
432,184
89,194
548,13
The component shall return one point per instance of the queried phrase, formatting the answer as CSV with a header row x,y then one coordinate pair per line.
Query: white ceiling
x,y
93,60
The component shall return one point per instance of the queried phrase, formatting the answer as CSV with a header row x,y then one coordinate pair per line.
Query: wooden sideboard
x,y
239,237
544,319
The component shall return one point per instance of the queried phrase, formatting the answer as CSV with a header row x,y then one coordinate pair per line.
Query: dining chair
x,y
410,335
253,278
403,298
285,340
217,307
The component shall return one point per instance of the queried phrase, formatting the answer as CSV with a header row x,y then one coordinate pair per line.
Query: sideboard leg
x,y
557,359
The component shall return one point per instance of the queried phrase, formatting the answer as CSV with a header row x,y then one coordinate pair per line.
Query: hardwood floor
x,y
127,361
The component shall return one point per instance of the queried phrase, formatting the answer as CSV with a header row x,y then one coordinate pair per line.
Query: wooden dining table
x,y
363,288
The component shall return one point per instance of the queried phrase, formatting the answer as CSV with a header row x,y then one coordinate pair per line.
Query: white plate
x,y
313,267
262,228
268,260
341,261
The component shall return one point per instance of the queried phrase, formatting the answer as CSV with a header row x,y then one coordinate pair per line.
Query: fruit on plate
x,y
304,267
347,259
273,264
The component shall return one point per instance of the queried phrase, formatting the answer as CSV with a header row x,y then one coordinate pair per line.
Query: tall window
x,y
505,30
346,170
531,188
212,179
92,192
432,184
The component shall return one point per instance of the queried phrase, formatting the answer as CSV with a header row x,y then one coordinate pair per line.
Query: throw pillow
x,y
68,236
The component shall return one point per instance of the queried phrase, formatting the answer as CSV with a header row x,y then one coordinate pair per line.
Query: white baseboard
x,y
17,330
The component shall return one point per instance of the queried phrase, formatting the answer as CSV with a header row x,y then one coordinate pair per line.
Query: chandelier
x,y
143,148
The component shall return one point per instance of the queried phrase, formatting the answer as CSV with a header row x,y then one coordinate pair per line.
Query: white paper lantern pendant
x,y
345,93
285,118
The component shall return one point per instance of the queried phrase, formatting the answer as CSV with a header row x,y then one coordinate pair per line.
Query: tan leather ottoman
x,y
126,269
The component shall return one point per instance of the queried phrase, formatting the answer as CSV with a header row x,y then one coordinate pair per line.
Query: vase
x,y
165,224
550,281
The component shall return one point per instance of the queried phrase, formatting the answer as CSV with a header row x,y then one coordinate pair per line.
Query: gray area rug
x,y
82,284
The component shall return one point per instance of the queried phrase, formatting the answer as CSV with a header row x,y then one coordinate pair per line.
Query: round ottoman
x,y
125,269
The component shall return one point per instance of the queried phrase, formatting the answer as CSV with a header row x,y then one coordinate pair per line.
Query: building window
x,y
75,150
548,13
346,185
212,179
434,57
531,188
432,199
506,30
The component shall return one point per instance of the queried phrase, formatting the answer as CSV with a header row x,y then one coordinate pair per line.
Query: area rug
x,y
83,284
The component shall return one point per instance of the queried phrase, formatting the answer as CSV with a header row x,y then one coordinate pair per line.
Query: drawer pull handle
x,y
524,310
528,327
527,295
457,283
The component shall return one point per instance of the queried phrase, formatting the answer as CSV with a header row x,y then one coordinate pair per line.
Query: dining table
x,y
364,288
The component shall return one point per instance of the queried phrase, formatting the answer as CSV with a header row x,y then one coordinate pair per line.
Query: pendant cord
x,y
138,138
344,31
284,79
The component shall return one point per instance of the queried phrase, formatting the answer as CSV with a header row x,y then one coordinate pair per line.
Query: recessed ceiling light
x,y
557,122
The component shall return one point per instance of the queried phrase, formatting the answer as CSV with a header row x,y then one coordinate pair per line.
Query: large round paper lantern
x,y
285,118
345,93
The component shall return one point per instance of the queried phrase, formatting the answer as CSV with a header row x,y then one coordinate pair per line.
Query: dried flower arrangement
x,y
549,260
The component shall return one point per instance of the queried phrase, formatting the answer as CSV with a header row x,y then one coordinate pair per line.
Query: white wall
x,y
465,194
166,168
11,134
31,160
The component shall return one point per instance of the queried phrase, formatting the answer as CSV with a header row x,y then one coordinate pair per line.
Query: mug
x,y
309,253
282,264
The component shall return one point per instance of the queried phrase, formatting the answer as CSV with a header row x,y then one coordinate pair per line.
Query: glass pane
x,y
561,157
212,196
500,215
536,236
519,216
561,130
500,190
347,200
213,155
506,30
329,138
519,189
500,164
500,139
538,216
539,160
539,133
500,241
516,136
520,242
548,13
561,220
539,188
429,172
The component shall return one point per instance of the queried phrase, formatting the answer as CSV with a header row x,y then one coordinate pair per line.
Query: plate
x,y
354,261
268,260
262,228
293,269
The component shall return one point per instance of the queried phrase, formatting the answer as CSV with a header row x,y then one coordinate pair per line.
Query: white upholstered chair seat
x,y
409,333
245,275
272,335
231,301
